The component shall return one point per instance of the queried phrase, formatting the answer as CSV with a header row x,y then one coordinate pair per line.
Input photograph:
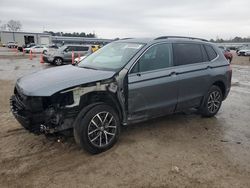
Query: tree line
x,y
74,34
233,40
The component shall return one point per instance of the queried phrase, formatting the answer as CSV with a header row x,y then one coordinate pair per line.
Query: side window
x,y
210,52
75,48
70,48
156,57
83,48
187,54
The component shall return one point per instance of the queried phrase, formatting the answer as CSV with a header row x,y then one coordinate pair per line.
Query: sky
x,y
132,18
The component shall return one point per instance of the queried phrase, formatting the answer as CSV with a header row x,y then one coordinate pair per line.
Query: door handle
x,y
138,74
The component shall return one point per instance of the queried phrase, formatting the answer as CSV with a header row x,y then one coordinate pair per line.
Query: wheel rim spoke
x,y
105,117
110,120
93,131
95,138
108,133
99,118
92,121
112,127
106,137
101,139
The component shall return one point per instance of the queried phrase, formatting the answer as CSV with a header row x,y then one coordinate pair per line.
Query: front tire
x,y
98,129
58,61
212,102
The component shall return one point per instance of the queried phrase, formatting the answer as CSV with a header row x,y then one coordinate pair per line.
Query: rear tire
x,y
212,102
98,129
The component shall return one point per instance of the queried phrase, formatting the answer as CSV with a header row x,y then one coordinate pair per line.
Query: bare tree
x,y
3,27
14,25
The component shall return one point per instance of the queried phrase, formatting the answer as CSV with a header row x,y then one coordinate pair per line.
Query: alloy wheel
x,y
214,101
102,129
58,61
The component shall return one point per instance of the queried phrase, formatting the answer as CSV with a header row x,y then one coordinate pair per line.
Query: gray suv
x,y
64,54
125,82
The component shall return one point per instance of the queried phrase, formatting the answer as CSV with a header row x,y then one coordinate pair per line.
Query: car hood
x,y
49,81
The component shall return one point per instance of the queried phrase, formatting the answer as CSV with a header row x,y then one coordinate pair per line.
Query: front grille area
x,y
45,58
21,111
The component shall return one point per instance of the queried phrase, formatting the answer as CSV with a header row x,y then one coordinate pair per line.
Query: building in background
x,y
25,38
46,39
61,40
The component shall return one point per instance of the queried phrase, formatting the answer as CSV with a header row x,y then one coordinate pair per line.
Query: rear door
x,y
68,53
83,50
193,70
152,84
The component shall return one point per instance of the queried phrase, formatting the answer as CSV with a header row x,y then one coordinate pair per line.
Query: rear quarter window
x,y
188,53
210,52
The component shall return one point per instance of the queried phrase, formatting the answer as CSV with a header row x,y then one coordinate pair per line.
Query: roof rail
x,y
180,37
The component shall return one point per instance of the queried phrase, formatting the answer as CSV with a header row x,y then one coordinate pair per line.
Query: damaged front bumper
x,y
30,121
37,115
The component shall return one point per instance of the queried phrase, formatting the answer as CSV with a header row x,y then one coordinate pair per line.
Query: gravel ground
x,y
182,150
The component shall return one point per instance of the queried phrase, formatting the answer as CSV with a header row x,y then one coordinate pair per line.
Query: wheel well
x,y
221,85
101,96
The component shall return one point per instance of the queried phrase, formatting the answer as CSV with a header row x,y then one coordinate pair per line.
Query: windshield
x,y
62,48
112,56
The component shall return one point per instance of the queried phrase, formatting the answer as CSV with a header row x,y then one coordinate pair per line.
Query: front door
x,y
152,84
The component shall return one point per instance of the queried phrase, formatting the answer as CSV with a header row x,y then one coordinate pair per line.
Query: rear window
x,y
187,54
210,52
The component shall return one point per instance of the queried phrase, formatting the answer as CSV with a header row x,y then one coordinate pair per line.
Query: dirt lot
x,y
182,150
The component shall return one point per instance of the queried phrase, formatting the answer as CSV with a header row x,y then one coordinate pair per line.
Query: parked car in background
x,y
95,47
39,49
125,82
20,48
224,48
12,44
36,49
64,54
52,46
228,55
247,53
243,51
